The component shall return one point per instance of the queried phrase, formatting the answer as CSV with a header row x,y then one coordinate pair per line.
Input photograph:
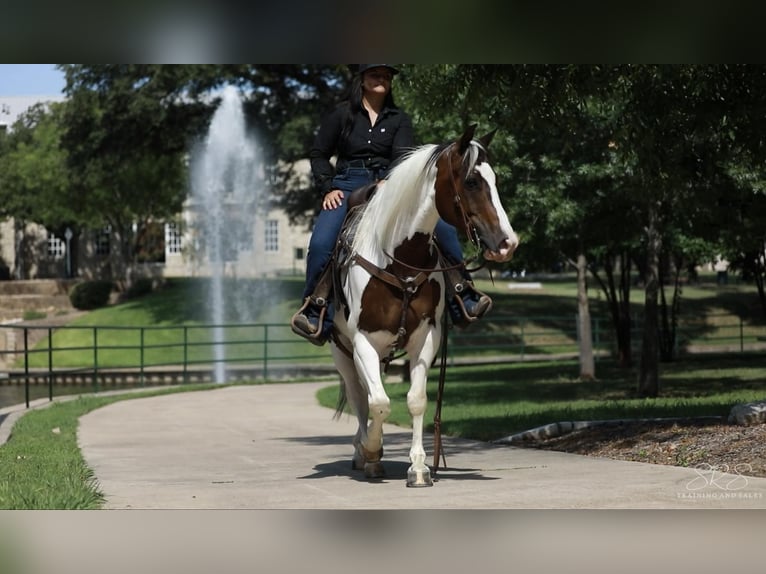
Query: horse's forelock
x,y
474,155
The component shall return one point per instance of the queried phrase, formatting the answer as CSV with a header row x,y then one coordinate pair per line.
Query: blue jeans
x,y
329,222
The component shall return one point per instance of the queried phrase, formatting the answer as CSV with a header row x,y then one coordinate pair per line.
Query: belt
x,y
364,164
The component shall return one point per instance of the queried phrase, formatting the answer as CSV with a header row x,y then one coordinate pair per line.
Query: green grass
x,y
41,466
491,402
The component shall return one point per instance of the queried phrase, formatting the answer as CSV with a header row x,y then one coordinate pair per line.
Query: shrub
x,y
90,294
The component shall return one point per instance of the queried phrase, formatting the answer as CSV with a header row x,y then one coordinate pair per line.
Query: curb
x,y
553,430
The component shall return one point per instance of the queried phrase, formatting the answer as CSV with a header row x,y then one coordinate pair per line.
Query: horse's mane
x,y
391,211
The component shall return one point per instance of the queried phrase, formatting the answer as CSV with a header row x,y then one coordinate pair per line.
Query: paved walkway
x,y
274,447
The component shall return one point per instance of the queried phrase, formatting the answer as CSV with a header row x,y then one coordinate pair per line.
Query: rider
x,y
369,133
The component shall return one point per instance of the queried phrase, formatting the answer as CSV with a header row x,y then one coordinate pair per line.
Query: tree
x,y
34,176
129,128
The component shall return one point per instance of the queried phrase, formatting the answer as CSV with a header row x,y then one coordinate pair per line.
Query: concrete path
x,y
274,447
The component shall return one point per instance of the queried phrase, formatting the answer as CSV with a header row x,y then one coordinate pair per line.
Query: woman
x,y
368,133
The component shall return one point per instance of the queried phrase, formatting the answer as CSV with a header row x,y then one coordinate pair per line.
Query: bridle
x,y
470,229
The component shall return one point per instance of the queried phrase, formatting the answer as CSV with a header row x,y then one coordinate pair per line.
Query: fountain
x,y
226,186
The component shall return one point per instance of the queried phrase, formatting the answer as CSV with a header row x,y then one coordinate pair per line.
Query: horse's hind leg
x,y
370,447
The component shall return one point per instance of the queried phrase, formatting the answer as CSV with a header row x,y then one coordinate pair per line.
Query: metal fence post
x,y
186,354
141,355
265,352
50,364
95,358
26,366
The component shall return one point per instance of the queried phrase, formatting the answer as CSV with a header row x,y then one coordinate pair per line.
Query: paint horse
x,y
393,289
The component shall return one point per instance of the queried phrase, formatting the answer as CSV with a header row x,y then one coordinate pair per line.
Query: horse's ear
x,y
465,139
486,139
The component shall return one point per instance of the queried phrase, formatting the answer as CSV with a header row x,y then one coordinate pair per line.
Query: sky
x,y
30,80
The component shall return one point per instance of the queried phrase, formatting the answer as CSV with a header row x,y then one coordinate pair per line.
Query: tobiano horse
x,y
392,288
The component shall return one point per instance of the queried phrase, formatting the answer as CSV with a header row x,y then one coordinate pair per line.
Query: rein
x,y
439,395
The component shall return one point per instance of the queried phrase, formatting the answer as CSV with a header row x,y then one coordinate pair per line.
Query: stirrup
x,y
302,326
482,306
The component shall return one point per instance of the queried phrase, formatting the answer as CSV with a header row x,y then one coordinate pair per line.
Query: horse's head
x,y
466,196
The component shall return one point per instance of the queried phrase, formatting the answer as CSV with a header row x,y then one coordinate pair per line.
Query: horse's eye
x,y
472,183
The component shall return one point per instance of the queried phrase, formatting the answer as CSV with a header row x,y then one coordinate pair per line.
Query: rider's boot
x,y
308,322
466,303
313,321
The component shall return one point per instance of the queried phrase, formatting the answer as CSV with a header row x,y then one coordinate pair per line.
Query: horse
x,y
392,289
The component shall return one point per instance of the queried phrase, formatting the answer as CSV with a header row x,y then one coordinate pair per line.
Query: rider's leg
x,y
469,303
314,319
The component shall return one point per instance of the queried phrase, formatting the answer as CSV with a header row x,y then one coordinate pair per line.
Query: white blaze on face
x,y
512,240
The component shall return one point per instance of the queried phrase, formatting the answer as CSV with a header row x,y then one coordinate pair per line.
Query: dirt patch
x,y
731,448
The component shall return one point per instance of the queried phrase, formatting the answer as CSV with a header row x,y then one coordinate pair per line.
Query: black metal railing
x,y
99,356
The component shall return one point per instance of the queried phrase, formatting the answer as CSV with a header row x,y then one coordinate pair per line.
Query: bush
x,y
90,294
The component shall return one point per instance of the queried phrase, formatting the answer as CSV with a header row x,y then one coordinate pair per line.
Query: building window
x,y
172,239
271,239
56,247
103,240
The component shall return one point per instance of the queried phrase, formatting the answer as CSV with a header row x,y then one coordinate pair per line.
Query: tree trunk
x,y
668,331
625,326
648,379
618,299
759,272
585,336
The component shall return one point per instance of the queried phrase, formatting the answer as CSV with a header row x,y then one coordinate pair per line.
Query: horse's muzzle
x,y
504,251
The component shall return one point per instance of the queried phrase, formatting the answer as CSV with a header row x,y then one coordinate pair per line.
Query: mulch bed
x,y
729,448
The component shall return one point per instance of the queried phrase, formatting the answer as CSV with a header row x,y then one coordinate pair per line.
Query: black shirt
x,y
369,146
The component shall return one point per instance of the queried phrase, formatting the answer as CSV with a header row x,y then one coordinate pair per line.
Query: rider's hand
x,y
332,199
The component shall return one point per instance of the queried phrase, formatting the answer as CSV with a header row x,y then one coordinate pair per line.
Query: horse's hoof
x,y
374,470
357,463
418,478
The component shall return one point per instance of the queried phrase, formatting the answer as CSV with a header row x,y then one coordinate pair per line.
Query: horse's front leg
x,y
370,447
419,474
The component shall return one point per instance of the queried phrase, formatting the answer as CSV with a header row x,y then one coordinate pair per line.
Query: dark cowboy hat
x,y
362,68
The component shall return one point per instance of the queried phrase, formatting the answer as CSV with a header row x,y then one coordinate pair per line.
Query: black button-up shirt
x,y
374,147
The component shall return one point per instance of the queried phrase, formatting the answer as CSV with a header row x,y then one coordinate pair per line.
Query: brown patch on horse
x,y
381,306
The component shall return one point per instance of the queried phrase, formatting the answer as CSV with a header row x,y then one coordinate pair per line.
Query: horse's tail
x,y
342,401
